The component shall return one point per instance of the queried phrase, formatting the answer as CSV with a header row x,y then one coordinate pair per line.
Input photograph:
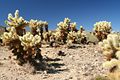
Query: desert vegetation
x,y
27,46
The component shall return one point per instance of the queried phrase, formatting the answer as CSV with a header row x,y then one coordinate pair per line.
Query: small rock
x,y
70,77
60,53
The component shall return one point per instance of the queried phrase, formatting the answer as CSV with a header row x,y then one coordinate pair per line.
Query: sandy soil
x,y
77,64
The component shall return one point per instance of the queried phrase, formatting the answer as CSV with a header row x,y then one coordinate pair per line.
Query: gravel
x,y
81,63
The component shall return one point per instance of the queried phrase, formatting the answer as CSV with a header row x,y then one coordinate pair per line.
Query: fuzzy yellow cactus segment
x,y
102,29
73,26
46,36
11,29
16,21
35,23
110,45
111,64
7,37
63,30
81,29
111,49
102,26
81,33
58,35
45,23
64,25
67,20
28,40
71,37
37,27
118,54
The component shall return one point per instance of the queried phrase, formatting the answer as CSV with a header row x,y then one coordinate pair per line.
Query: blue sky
x,y
84,12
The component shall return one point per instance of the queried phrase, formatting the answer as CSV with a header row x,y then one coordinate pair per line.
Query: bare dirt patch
x,y
81,63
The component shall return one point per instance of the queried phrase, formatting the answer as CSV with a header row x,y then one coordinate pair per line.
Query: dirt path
x,y
77,64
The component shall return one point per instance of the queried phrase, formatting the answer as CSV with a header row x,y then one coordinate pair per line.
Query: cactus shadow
x,y
52,66
56,68
50,59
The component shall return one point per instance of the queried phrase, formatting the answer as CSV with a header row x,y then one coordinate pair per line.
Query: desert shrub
x,y
63,30
17,22
111,50
24,45
102,29
67,32
39,27
91,39
81,36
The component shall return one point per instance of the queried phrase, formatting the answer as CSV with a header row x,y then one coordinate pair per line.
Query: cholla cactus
x,y
18,22
67,20
102,29
64,28
28,40
34,24
45,24
73,26
46,36
37,27
7,37
81,29
111,49
24,46
81,35
76,37
58,36
67,32
72,36
64,25
110,46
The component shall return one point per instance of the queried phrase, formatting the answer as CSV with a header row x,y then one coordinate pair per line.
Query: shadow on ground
x,y
51,66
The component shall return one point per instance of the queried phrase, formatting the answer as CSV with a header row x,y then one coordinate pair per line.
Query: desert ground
x,y
78,63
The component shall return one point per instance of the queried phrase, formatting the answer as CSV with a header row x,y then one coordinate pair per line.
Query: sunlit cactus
x,y
64,25
111,50
46,36
58,36
81,29
18,22
64,28
38,27
110,46
102,29
10,36
30,45
81,35
25,45
73,26
67,20
34,24
45,24
72,37
76,36
28,40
